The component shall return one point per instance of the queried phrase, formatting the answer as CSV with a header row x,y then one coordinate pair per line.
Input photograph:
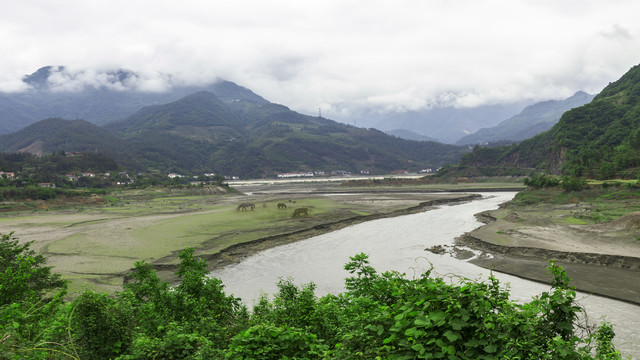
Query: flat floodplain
x,y
97,245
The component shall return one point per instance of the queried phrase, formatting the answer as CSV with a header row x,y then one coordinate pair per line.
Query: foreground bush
x,y
379,316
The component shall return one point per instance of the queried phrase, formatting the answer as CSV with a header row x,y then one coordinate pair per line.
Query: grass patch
x,y
111,200
570,220
107,238
599,204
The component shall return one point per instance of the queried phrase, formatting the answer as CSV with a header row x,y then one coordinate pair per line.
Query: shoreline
x,y
600,274
237,252
609,275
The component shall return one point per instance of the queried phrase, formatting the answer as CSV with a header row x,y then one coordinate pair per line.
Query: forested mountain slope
x,y
53,135
533,120
600,139
254,138
239,134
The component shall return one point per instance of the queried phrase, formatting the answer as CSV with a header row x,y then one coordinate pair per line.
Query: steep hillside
x,y
54,135
240,134
252,138
600,139
533,120
200,115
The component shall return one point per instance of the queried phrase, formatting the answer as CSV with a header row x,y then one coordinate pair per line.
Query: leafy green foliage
x,y
29,303
245,136
541,181
267,341
23,274
379,316
100,327
388,316
571,184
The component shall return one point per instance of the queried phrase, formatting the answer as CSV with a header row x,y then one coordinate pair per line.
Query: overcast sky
x,y
341,56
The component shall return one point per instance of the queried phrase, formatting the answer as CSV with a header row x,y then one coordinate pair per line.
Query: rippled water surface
x,y
399,244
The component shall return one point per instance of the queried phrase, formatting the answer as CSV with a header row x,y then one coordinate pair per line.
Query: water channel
x,y
399,244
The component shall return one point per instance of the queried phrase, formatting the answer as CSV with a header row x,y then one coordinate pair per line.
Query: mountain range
x,y
109,96
102,97
238,134
113,98
226,128
444,124
531,121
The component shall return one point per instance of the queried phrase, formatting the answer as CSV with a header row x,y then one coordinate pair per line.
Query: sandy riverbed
x,y
602,259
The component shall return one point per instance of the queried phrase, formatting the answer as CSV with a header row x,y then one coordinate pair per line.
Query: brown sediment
x,y
519,245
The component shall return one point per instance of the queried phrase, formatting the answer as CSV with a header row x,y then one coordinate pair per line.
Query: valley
x,y
97,244
336,180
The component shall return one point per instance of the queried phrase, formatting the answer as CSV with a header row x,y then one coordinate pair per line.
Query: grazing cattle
x,y
246,206
282,206
299,212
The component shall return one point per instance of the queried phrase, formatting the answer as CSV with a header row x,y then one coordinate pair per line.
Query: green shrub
x,y
571,184
541,181
100,326
379,316
268,341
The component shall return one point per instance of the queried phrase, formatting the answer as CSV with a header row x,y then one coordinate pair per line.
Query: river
x,y
399,244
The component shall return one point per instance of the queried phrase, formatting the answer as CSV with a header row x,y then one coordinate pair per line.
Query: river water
x,y
399,244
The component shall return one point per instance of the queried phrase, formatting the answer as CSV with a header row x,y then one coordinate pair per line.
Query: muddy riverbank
x,y
602,259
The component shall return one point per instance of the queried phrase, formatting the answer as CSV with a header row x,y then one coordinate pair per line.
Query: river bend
x,y
399,244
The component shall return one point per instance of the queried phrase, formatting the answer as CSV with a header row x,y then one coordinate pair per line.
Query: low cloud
x,y
65,79
343,56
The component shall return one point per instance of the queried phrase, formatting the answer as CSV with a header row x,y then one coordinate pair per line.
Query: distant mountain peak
x,y
532,120
61,78
39,78
104,96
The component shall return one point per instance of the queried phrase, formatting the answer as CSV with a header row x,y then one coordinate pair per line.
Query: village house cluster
x,y
8,175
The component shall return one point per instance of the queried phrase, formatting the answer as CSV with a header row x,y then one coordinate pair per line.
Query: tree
x,y
570,183
23,274
31,322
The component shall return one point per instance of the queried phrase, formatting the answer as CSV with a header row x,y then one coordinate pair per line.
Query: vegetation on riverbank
x,y
97,240
600,203
593,233
380,315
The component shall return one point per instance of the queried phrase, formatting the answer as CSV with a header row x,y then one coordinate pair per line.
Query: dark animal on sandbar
x,y
246,206
299,212
282,206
